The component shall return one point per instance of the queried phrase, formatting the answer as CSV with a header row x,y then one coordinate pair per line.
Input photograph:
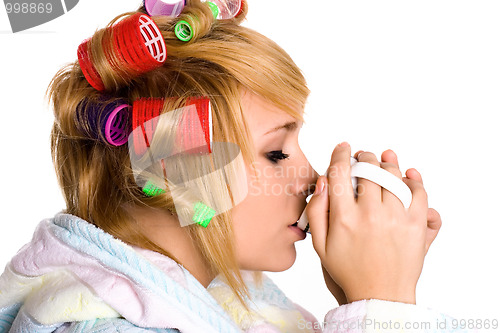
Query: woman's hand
x,y
433,226
371,247
433,218
334,288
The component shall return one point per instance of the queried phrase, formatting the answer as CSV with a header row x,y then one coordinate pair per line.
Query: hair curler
x,y
172,150
221,9
164,7
243,3
103,120
184,30
188,132
202,214
88,68
193,136
132,47
375,174
227,9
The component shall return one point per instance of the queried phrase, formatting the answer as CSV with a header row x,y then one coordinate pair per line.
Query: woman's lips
x,y
301,233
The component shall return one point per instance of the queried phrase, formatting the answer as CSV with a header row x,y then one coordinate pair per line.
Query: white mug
x,y
375,174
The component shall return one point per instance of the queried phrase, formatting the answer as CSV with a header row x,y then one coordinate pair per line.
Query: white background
x,y
419,77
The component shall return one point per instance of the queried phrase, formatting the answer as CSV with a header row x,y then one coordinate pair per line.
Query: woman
x,y
120,259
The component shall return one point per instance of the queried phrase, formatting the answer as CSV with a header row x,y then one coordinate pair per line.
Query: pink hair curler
x,y
241,8
105,120
117,127
166,7
228,9
134,46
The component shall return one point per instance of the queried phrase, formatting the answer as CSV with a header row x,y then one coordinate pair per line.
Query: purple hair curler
x,y
166,7
102,120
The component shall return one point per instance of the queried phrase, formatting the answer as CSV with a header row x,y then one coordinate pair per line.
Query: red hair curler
x,y
88,68
145,112
132,47
171,150
194,131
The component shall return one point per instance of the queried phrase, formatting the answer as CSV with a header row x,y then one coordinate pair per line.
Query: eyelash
x,y
276,155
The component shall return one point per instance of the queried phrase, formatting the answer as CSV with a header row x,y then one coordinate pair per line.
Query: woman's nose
x,y
306,180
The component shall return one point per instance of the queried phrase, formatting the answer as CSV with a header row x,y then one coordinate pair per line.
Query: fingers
x,y
433,226
339,179
419,201
433,219
389,156
369,193
414,174
414,177
390,163
317,212
357,154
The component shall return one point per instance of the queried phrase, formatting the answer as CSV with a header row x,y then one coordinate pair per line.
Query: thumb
x,y
317,212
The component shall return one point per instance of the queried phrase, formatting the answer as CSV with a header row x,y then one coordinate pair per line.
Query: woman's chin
x,y
270,261
283,262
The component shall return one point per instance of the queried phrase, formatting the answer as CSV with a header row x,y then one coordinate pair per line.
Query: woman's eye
x,y
276,155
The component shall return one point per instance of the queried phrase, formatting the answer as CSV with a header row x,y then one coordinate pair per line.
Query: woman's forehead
x,y
263,116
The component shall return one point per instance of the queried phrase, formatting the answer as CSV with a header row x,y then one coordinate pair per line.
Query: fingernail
x,y
344,144
320,185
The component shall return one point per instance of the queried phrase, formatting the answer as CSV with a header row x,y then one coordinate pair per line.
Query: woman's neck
x,y
163,229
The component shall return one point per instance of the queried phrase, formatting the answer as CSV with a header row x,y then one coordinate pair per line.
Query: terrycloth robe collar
x,y
67,253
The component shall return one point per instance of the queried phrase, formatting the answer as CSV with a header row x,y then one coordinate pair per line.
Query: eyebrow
x,y
290,126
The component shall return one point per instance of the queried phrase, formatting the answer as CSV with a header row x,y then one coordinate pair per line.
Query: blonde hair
x,y
219,61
